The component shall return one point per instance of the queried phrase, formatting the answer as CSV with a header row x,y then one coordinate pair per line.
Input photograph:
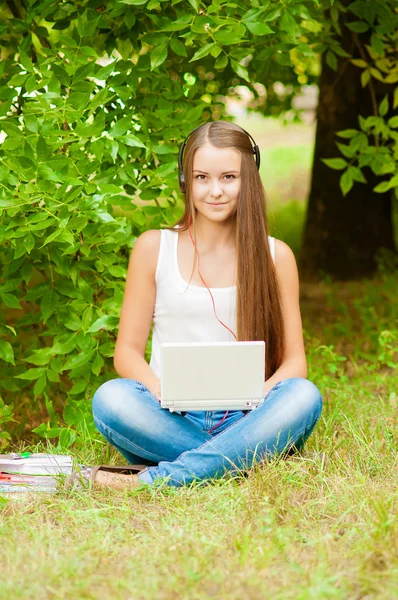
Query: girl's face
x,y
216,181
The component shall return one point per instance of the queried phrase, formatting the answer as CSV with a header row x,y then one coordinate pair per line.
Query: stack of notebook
x,y
32,472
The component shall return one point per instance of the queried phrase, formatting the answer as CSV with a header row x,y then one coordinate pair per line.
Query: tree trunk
x,y
342,235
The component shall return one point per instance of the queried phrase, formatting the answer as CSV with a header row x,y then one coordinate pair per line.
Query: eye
x,y
230,176
200,176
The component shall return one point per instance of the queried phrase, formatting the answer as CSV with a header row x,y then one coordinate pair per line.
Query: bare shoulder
x,y
285,265
283,254
146,247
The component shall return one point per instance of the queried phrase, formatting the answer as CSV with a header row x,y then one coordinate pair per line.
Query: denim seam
x,y
106,428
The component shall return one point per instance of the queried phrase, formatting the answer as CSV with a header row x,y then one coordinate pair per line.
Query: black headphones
x,y
181,179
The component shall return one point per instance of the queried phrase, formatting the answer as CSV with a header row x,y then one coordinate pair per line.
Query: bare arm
x,y
294,363
137,312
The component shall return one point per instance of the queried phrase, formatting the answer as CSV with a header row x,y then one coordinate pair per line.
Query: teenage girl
x,y
215,276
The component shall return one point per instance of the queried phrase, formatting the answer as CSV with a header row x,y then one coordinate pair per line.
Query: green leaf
x,y
345,150
358,26
66,438
335,163
121,126
384,186
239,70
79,222
73,322
346,182
105,322
88,51
40,385
203,51
358,62
52,237
357,174
10,300
383,108
131,140
6,352
377,44
158,56
31,374
287,23
78,387
117,271
347,133
64,344
125,48
87,318
49,304
129,19
178,47
78,360
393,122
97,365
365,77
61,75
83,71
42,149
52,376
31,122
40,357
258,28
18,79
46,431
26,62
195,4
331,60
221,62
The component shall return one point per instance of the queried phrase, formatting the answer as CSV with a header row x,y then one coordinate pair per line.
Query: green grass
x,y
295,529
298,528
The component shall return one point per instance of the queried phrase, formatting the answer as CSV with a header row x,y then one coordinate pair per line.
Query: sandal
x,y
85,477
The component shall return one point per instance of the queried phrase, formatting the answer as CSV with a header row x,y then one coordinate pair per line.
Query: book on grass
x,y
15,483
36,464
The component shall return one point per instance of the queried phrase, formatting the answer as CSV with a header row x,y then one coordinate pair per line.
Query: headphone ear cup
x,y
257,155
181,180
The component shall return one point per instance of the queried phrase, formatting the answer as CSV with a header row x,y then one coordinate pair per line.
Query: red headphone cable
x,y
214,308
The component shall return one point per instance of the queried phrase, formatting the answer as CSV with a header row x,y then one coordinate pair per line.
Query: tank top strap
x,y
166,254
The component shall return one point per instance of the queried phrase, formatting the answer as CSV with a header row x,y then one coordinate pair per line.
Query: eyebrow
x,y
225,172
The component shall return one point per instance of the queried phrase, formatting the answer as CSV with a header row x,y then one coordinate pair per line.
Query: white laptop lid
x,y
223,370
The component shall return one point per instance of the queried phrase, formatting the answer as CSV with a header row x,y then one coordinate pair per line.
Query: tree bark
x,y
342,235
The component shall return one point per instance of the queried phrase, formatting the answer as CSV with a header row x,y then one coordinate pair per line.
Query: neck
x,y
211,234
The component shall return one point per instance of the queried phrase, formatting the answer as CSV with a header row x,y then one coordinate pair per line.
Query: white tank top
x,y
184,313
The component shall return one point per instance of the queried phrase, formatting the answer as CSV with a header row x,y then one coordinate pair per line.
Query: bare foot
x,y
117,481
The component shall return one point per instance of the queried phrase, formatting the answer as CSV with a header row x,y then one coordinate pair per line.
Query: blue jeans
x,y
181,449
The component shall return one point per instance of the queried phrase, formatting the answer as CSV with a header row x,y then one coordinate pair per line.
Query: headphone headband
x,y
181,179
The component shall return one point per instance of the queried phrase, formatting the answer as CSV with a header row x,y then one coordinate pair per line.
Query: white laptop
x,y
212,376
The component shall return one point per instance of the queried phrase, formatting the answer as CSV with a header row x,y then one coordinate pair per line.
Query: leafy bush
x,y
93,100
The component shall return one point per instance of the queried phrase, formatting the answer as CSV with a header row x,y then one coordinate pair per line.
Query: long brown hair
x,y
258,307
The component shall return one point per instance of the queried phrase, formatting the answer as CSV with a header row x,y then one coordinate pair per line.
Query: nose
x,y
215,189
